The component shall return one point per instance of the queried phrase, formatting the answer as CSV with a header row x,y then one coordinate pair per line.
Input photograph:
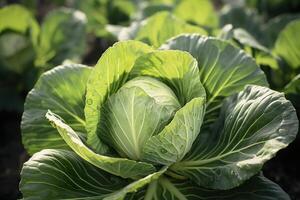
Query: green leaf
x,y
96,12
62,90
133,187
242,36
70,177
152,8
199,12
17,53
245,18
61,174
294,86
257,188
156,29
292,91
224,69
117,166
252,127
262,54
176,139
109,74
62,37
246,38
177,69
18,32
275,25
140,109
287,44
17,18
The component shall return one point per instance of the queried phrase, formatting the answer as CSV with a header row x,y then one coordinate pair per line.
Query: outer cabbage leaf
x,y
109,74
62,37
224,69
256,188
70,177
116,166
288,44
62,174
54,90
156,29
252,127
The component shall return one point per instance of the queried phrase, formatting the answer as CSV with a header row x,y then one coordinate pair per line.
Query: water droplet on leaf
x,y
89,101
281,131
163,150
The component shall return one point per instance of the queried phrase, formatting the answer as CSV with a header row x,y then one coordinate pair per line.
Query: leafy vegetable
x,y
275,25
191,120
61,31
156,29
200,12
287,44
27,49
242,17
18,32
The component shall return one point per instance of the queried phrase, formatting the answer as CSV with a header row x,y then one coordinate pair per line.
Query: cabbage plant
x,y
193,119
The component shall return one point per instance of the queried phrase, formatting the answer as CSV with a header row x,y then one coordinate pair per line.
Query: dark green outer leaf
x,y
257,188
294,86
252,127
275,25
63,91
242,17
292,91
62,174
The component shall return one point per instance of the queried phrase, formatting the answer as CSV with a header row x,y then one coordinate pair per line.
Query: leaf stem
x,y
174,175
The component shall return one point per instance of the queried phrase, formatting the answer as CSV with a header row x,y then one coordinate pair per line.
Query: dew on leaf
x,y
163,151
89,101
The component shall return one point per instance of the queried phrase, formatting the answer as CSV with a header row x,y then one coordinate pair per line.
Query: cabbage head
x,y
194,119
